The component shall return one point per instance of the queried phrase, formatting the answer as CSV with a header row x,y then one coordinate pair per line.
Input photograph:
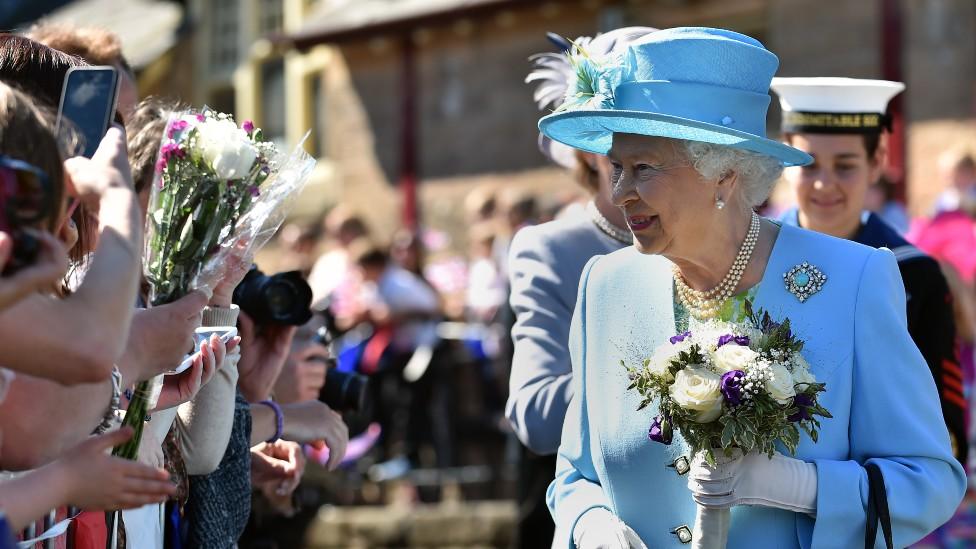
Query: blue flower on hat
x,y
595,80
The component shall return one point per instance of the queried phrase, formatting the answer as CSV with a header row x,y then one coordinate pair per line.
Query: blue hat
x,y
692,83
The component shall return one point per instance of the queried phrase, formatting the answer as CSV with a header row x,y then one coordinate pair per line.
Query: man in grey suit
x,y
545,265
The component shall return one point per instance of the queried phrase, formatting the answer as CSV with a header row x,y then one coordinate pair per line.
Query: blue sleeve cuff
x,y
841,500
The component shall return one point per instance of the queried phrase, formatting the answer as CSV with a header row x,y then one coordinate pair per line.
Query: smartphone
x,y
88,101
224,333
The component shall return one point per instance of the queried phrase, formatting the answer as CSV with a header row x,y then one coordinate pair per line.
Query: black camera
x,y
26,197
343,391
283,298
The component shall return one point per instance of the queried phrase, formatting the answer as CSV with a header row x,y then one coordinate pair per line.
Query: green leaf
x,y
728,433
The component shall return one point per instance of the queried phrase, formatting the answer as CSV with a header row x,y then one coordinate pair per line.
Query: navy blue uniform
x,y
930,318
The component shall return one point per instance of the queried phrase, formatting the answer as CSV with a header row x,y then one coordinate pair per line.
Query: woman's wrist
x,y
61,479
220,315
118,207
279,419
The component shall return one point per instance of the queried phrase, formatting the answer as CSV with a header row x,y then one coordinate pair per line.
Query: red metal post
x,y
891,69
408,135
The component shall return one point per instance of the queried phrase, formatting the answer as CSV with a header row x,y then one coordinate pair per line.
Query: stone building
x,y
474,121
432,91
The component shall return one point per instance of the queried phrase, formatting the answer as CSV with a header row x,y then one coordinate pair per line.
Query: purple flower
x,y
679,338
255,192
660,431
201,117
731,386
176,126
248,126
742,341
803,402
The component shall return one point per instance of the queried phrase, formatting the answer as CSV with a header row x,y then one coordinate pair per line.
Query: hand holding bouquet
x,y
731,387
220,192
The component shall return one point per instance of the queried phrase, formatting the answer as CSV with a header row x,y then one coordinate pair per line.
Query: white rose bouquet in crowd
x,y
731,386
219,189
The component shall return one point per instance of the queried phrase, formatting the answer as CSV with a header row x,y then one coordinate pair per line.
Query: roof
x,y
342,20
142,43
14,13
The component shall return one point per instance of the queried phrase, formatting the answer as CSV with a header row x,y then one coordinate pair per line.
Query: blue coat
x,y
545,264
879,391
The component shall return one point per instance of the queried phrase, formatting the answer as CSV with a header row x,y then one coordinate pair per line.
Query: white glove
x,y
598,528
754,479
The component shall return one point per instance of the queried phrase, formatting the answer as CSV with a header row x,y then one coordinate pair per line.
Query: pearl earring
x,y
719,203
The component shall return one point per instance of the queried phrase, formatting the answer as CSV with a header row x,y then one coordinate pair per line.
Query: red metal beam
x,y
408,134
891,69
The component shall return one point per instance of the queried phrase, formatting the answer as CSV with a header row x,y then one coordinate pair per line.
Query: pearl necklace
x,y
607,228
707,304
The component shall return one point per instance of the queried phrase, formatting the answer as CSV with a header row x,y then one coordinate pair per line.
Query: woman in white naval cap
x,y
840,122
544,268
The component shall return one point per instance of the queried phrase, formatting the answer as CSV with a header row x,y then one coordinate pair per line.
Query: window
x,y
271,17
225,35
273,100
222,100
316,84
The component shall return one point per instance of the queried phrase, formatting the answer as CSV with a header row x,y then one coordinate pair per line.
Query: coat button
x,y
683,533
680,465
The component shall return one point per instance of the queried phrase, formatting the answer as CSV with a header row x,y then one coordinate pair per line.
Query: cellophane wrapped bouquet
x,y
219,189
731,385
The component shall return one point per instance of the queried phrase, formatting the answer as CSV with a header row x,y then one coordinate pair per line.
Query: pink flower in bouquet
x,y
176,127
168,151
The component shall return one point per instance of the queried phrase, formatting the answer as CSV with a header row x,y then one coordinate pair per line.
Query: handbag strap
x,y
877,510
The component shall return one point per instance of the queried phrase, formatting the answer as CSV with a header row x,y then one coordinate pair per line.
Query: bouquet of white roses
x,y
219,189
731,385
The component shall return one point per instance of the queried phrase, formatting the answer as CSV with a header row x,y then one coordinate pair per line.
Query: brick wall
x,y
940,71
477,120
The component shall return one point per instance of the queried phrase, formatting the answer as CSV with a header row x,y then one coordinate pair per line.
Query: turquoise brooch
x,y
804,280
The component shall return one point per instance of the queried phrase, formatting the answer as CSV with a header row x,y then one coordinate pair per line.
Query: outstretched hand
x,y
183,387
44,274
277,469
93,479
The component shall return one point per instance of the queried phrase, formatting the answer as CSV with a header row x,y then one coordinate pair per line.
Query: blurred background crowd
x,y
424,131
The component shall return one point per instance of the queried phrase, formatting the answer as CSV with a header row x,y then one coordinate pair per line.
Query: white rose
x,y
733,357
660,363
801,371
699,390
779,385
226,148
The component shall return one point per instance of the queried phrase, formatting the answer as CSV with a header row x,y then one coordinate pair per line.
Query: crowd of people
x,y
536,324
78,338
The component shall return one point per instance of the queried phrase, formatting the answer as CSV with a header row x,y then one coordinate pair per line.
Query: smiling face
x,y
831,192
662,196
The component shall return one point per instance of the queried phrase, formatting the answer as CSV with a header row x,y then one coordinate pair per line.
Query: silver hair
x,y
757,172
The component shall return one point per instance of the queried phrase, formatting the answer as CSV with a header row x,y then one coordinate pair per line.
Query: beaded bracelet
x,y
279,419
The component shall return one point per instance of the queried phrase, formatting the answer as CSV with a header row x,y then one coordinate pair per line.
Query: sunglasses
x,y
25,193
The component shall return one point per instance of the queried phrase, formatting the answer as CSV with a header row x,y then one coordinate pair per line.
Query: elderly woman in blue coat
x,y
682,117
